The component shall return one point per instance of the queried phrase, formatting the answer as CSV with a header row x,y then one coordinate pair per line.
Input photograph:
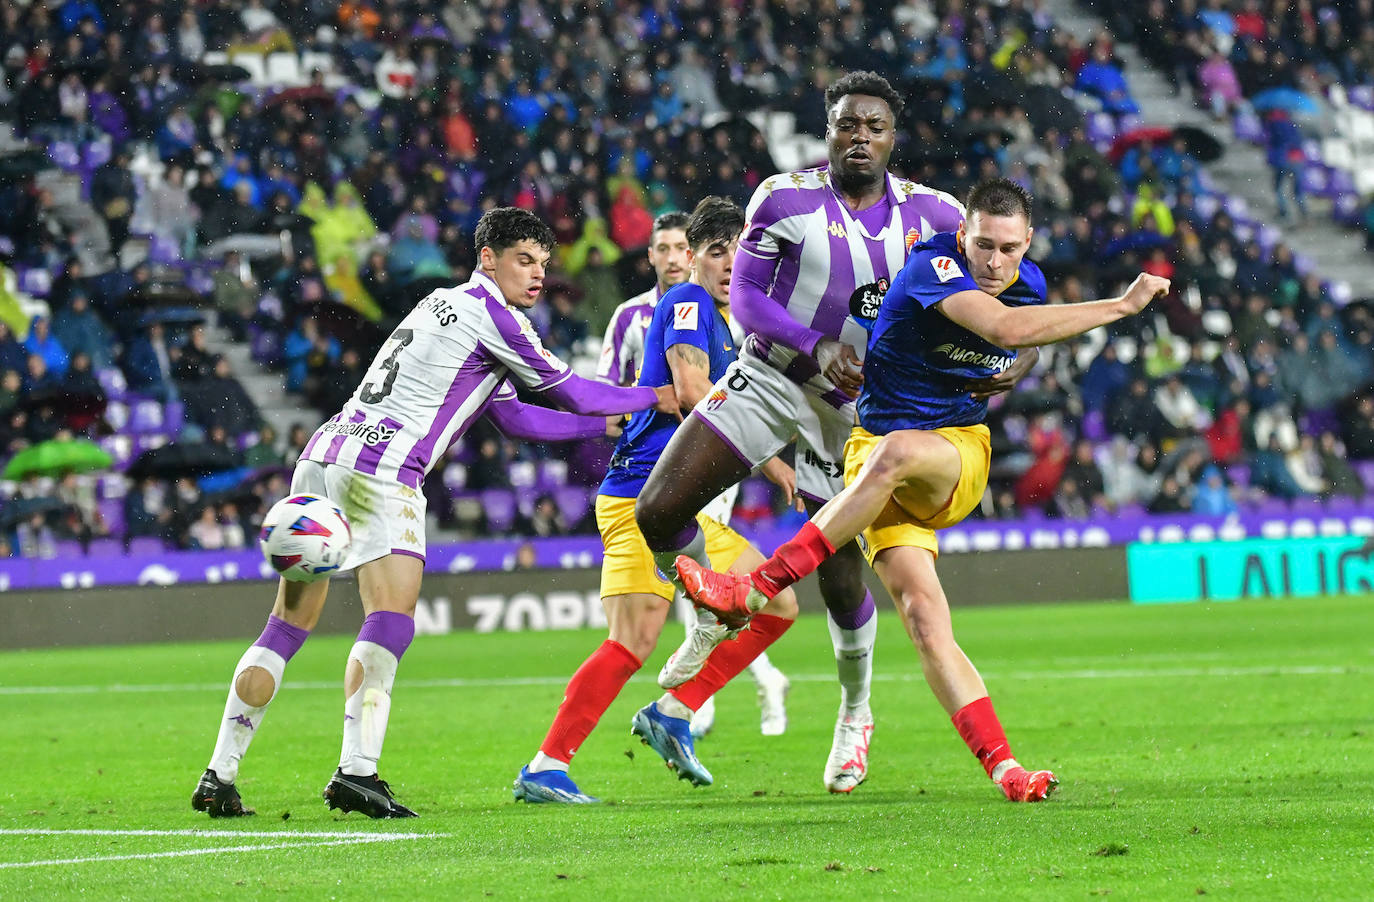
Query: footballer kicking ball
x,y
305,538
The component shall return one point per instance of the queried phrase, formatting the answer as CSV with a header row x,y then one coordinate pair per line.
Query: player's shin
x,y
725,663
372,662
852,634
794,559
257,678
590,692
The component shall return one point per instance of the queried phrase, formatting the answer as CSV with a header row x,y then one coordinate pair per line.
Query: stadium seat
x,y
499,505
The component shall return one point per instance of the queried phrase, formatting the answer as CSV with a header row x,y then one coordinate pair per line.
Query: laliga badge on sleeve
x,y
685,315
945,268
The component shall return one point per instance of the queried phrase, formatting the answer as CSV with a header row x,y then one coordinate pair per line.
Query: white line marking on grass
x,y
303,840
1095,673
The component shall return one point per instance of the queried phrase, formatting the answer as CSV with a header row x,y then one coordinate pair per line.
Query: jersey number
x,y
370,395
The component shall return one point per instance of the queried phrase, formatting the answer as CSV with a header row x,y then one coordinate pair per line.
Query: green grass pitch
x,y
1221,749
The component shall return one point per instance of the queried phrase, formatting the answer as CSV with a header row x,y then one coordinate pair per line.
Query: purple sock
x,y
282,638
390,630
852,620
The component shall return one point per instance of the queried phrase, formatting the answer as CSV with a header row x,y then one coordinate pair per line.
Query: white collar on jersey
x,y
487,282
894,198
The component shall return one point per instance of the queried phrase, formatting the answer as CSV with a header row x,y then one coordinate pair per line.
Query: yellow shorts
x,y
896,526
628,567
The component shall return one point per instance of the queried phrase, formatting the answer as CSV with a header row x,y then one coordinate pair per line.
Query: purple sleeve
x,y
528,422
587,396
760,314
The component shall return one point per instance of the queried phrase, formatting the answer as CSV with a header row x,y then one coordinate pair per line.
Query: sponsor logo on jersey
x,y
369,433
997,362
867,299
716,398
836,229
945,268
685,315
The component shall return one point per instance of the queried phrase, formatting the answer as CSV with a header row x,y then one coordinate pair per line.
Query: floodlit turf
x,y
1223,749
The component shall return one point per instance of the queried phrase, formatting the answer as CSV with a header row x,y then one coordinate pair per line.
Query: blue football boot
x,y
671,737
549,786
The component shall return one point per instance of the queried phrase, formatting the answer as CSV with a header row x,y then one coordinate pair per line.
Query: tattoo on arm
x,y
692,356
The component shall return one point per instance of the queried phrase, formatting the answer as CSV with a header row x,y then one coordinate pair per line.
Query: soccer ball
x,y
305,538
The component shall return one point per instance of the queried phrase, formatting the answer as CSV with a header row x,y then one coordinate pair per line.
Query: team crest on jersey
x,y
685,315
945,268
716,399
912,236
867,299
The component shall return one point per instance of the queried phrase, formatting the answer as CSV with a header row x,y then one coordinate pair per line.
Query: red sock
x,y
729,658
978,725
793,560
590,692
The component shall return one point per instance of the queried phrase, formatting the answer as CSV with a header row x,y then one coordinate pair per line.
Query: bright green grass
x,y
1222,748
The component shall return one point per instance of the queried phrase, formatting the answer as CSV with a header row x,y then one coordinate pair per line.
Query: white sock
x,y
241,720
671,707
367,709
542,762
695,549
853,660
761,668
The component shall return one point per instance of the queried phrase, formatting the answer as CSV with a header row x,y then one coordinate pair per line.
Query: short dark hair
x,y
673,219
505,227
864,82
998,197
715,219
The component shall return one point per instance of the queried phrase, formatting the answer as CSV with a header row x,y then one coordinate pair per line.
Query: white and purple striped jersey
x,y
622,351
436,374
808,265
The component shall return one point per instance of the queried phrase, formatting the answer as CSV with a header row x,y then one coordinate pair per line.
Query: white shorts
x,y
758,411
384,516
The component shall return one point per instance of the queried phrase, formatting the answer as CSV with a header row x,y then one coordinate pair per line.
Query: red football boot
x,y
730,596
1021,785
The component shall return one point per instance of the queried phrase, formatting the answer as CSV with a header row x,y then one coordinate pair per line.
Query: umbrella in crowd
x,y
18,510
1200,143
1288,99
57,456
183,459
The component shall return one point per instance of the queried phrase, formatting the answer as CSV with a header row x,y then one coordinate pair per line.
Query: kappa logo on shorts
x,y
410,538
716,399
685,315
945,268
408,513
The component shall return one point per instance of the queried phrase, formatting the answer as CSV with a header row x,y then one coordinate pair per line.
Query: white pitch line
x,y
1094,673
305,839
216,834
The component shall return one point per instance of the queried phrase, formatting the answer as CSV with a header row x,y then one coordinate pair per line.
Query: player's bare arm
x,y
691,369
1024,327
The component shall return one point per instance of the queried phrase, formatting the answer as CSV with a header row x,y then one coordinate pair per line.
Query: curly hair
x,y
999,197
864,82
506,227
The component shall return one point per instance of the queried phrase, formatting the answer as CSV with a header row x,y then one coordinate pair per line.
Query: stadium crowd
x,y
310,219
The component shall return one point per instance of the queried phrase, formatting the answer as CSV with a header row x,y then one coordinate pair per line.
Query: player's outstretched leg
x,y
671,737
370,675
257,677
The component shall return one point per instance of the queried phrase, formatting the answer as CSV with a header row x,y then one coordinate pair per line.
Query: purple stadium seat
x,y
1306,506
1100,128
1239,474
112,381
1313,178
163,250
146,416
1366,470
1344,504
35,281
499,505
573,501
1094,426
95,154
65,155
1248,127
552,474
1270,506
120,447
1361,96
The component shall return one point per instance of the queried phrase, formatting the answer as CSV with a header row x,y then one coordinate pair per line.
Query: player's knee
x,y
255,686
929,629
783,605
893,459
